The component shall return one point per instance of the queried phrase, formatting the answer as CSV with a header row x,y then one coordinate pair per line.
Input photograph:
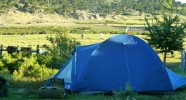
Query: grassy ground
x,y
29,90
23,41
34,40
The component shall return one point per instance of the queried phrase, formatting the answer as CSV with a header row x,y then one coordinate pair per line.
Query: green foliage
x,y
168,5
55,29
184,11
128,89
51,60
126,93
70,7
22,66
166,33
62,46
40,65
3,69
10,63
29,30
30,68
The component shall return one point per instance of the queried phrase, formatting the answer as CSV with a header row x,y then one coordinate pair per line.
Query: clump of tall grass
x,y
127,93
174,97
128,89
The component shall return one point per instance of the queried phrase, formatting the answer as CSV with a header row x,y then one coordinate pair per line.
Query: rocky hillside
x,y
17,17
14,16
63,11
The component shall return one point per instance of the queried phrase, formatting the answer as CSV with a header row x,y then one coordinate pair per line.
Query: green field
x,y
27,89
34,40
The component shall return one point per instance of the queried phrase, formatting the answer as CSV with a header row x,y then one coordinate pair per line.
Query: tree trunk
x,y
165,56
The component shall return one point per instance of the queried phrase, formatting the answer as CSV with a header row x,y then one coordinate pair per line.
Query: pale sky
x,y
183,1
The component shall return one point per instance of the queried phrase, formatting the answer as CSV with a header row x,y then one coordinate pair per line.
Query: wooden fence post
x,y
183,61
11,49
1,50
37,50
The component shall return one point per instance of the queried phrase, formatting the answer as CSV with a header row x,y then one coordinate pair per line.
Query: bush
x,y
23,65
3,70
62,46
30,68
9,63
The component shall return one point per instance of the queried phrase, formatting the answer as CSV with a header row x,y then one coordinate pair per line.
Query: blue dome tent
x,y
110,65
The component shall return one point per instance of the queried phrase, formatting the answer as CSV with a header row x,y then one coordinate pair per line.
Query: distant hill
x,y
36,11
14,16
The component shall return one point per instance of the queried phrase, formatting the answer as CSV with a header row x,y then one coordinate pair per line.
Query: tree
x,y
26,7
184,10
167,32
74,13
62,47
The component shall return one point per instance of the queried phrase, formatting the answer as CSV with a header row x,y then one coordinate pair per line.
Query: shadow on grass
x,y
173,65
23,89
27,84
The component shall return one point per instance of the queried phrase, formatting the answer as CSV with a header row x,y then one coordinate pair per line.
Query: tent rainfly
x,y
110,65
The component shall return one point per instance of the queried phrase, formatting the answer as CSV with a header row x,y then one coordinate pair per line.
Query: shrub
x,y
23,65
9,62
62,46
30,68
3,70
